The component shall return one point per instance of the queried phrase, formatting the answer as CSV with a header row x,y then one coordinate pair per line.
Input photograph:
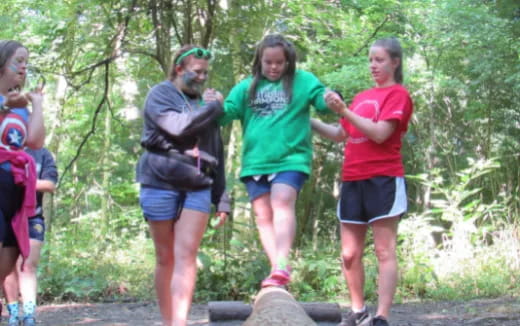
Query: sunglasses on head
x,y
199,53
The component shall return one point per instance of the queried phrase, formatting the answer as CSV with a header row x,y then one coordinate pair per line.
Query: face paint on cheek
x,y
189,78
13,68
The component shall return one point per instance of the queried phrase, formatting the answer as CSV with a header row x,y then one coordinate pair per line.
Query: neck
x,y
388,83
178,84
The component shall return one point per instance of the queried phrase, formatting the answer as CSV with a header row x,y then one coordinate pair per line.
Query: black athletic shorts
x,y
365,201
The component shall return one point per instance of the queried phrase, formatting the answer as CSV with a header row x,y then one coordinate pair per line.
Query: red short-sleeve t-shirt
x,y
365,158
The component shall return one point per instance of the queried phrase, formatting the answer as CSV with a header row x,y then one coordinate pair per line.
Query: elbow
x,y
379,140
36,143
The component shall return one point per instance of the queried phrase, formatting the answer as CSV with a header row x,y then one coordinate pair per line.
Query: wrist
x,y
343,111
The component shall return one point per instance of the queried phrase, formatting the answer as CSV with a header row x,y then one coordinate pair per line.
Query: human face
x,y
193,75
382,66
274,63
15,69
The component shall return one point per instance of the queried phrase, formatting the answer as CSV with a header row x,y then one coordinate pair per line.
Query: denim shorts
x,y
255,188
37,228
162,204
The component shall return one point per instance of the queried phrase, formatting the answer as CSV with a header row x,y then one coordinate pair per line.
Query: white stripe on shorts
x,y
400,203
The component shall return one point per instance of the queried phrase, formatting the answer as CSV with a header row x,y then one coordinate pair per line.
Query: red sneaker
x,y
278,277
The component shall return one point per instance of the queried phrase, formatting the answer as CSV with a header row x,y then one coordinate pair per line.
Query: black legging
x,y
11,197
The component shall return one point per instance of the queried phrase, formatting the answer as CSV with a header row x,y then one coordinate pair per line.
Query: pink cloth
x,y
23,169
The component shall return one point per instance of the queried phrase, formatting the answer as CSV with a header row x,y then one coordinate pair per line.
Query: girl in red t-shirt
x,y
373,191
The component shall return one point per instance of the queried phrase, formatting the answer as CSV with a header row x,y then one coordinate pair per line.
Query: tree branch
x,y
367,42
93,126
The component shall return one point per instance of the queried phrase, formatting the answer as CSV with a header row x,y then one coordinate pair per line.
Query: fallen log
x,y
228,310
276,306
220,311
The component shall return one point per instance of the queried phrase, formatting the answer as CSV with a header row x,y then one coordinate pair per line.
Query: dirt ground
x,y
485,312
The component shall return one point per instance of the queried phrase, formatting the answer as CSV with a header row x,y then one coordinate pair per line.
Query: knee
x,y
385,254
263,218
164,258
30,267
350,257
283,200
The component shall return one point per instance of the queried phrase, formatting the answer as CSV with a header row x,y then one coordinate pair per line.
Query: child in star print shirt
x,y
18,128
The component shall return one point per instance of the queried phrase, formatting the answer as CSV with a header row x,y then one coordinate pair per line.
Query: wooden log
x,y
276,306
322,311
228,310
238,310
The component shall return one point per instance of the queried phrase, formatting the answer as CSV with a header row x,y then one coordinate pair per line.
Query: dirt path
x,y
486,312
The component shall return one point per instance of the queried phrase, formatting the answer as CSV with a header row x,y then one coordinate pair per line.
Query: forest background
x,y
461,238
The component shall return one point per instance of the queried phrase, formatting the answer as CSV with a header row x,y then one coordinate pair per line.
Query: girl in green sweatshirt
x,y
273,106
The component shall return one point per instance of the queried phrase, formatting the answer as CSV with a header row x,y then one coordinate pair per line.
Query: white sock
x,y
357,311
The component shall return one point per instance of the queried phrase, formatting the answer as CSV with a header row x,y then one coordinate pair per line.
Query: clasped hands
x,y
210,95
334,101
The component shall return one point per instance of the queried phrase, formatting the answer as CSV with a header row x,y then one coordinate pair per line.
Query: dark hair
x,y
393,48
181,51
271,41
7,50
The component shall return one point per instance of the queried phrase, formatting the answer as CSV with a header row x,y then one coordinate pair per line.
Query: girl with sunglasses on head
x,y
273,106
18,128
181,173
373,191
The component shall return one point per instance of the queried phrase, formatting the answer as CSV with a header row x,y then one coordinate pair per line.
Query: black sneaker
x,y
356,319
379,321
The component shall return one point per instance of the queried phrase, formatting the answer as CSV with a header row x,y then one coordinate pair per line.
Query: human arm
x,y
333,132
36,127
235,103
45,186
219,195
174,115
48,176
316,91
377,131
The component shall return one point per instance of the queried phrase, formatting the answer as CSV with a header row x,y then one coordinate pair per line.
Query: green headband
x,y
199,53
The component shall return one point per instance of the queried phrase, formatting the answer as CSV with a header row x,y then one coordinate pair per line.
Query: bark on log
x,y
276,306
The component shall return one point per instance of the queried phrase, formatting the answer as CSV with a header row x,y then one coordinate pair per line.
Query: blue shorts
x,y
366,201
255,189
37,228
161,204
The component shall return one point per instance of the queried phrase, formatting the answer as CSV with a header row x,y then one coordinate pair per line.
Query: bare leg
x,y
10,287
162,235
27,277
8,256
283,200
188,230
352,246
385,240
264,222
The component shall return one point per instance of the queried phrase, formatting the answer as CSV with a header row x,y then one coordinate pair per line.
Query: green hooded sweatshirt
x,y
276,134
